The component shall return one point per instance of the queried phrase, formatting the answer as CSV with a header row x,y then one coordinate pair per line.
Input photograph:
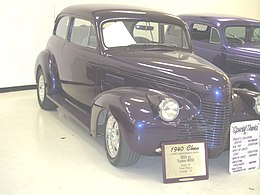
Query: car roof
x,y
220,19
107,11
83,9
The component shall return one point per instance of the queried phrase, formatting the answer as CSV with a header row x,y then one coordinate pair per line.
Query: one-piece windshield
x,y
155,35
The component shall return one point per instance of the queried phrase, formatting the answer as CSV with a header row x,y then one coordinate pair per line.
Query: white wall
x,y
26,26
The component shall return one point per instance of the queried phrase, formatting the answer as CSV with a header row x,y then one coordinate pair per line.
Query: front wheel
x,y
43,100
118,153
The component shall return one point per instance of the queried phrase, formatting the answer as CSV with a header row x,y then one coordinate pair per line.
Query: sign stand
x,y
185,161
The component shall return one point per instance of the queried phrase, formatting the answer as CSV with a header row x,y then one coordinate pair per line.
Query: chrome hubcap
x,y
112,136
41,88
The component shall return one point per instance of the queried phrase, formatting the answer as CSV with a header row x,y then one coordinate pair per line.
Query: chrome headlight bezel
x,y
257,105
169,109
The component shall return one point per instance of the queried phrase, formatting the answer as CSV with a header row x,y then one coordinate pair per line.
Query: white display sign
x,y
244,146
186,161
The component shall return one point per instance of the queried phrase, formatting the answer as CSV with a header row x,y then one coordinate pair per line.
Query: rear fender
x,y
46,61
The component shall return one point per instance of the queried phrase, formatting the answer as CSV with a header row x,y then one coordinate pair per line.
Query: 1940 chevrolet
x,y
131,74
231,43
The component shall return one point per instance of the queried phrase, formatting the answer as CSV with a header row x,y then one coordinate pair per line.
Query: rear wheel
x,y
118,153
43,100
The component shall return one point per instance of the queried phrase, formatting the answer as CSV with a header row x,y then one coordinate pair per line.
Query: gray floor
x,y
48,153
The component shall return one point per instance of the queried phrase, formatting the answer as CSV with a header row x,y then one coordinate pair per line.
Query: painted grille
x,y
212,125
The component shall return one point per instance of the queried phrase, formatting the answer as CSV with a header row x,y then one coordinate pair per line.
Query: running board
x,y
78,114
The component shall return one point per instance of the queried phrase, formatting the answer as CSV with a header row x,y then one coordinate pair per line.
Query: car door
x,y
57,40
238,58
207,43
80,59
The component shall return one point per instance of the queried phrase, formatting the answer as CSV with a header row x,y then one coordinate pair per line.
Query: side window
x,y
214,36
62,27
205,33
83,33
200,32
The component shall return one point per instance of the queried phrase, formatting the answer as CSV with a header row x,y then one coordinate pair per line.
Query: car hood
x,y
247,50
181,69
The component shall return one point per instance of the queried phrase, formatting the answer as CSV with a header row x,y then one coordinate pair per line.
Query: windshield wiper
x,y
237,38
160,47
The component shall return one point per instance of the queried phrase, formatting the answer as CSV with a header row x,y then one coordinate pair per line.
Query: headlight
x,y
169,109
257,104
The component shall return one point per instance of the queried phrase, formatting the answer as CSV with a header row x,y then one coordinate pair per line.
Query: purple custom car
x,y
231,43
130,74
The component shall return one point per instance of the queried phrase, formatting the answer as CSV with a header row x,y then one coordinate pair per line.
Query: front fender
x,y
243,102
136,110
247,80
46,61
